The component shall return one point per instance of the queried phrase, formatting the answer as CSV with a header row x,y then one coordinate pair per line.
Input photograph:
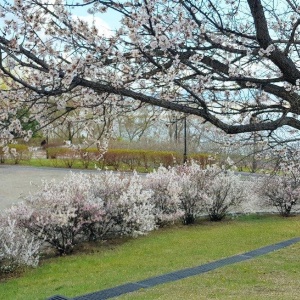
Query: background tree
x,y
224,61
137,124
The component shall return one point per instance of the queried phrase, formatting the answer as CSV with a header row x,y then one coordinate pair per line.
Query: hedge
x,y
21,152
122,158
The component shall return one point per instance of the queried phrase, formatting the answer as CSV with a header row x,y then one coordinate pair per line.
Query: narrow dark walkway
x,y
177,275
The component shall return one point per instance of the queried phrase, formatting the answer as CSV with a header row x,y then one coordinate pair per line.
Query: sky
x,y
104,22
109,20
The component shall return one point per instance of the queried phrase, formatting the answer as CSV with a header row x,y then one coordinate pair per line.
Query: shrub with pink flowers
x,y
59,211
85,207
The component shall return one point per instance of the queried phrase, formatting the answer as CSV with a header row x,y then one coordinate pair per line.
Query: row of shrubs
x,y
93,207
85,207
129,159
15,152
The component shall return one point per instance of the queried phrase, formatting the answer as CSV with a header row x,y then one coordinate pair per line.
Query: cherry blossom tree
x,y
235,64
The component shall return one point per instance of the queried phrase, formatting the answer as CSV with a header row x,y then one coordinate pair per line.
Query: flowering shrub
x,y
59,211
282,190
127,206
17,246
224,191
281,193
93,207
193,181
86,207
209,190
165,196
190,191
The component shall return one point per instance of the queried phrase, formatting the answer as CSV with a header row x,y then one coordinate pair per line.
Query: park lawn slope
x,y
159,252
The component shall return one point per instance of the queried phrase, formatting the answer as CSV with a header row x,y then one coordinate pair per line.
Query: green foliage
x,y
27,121
19,147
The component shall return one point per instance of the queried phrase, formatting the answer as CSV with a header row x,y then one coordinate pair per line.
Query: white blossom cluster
x,y
166,190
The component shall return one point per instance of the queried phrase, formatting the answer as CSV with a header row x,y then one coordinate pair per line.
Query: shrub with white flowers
x,y
282,190
211,191
17,246
127,206
224,190
165,187
193,181
85,207
190,191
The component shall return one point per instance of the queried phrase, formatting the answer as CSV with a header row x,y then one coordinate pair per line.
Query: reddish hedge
x,y
123,158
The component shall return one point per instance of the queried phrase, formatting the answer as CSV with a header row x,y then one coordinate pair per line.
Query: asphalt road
x,y
16,182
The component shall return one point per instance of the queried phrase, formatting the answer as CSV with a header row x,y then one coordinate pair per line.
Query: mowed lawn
x,y
272,276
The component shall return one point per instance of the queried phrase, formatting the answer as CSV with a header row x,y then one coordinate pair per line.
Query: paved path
x,y
16,182
181,274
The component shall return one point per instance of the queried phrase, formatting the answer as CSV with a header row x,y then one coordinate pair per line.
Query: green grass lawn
x,y
275,275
